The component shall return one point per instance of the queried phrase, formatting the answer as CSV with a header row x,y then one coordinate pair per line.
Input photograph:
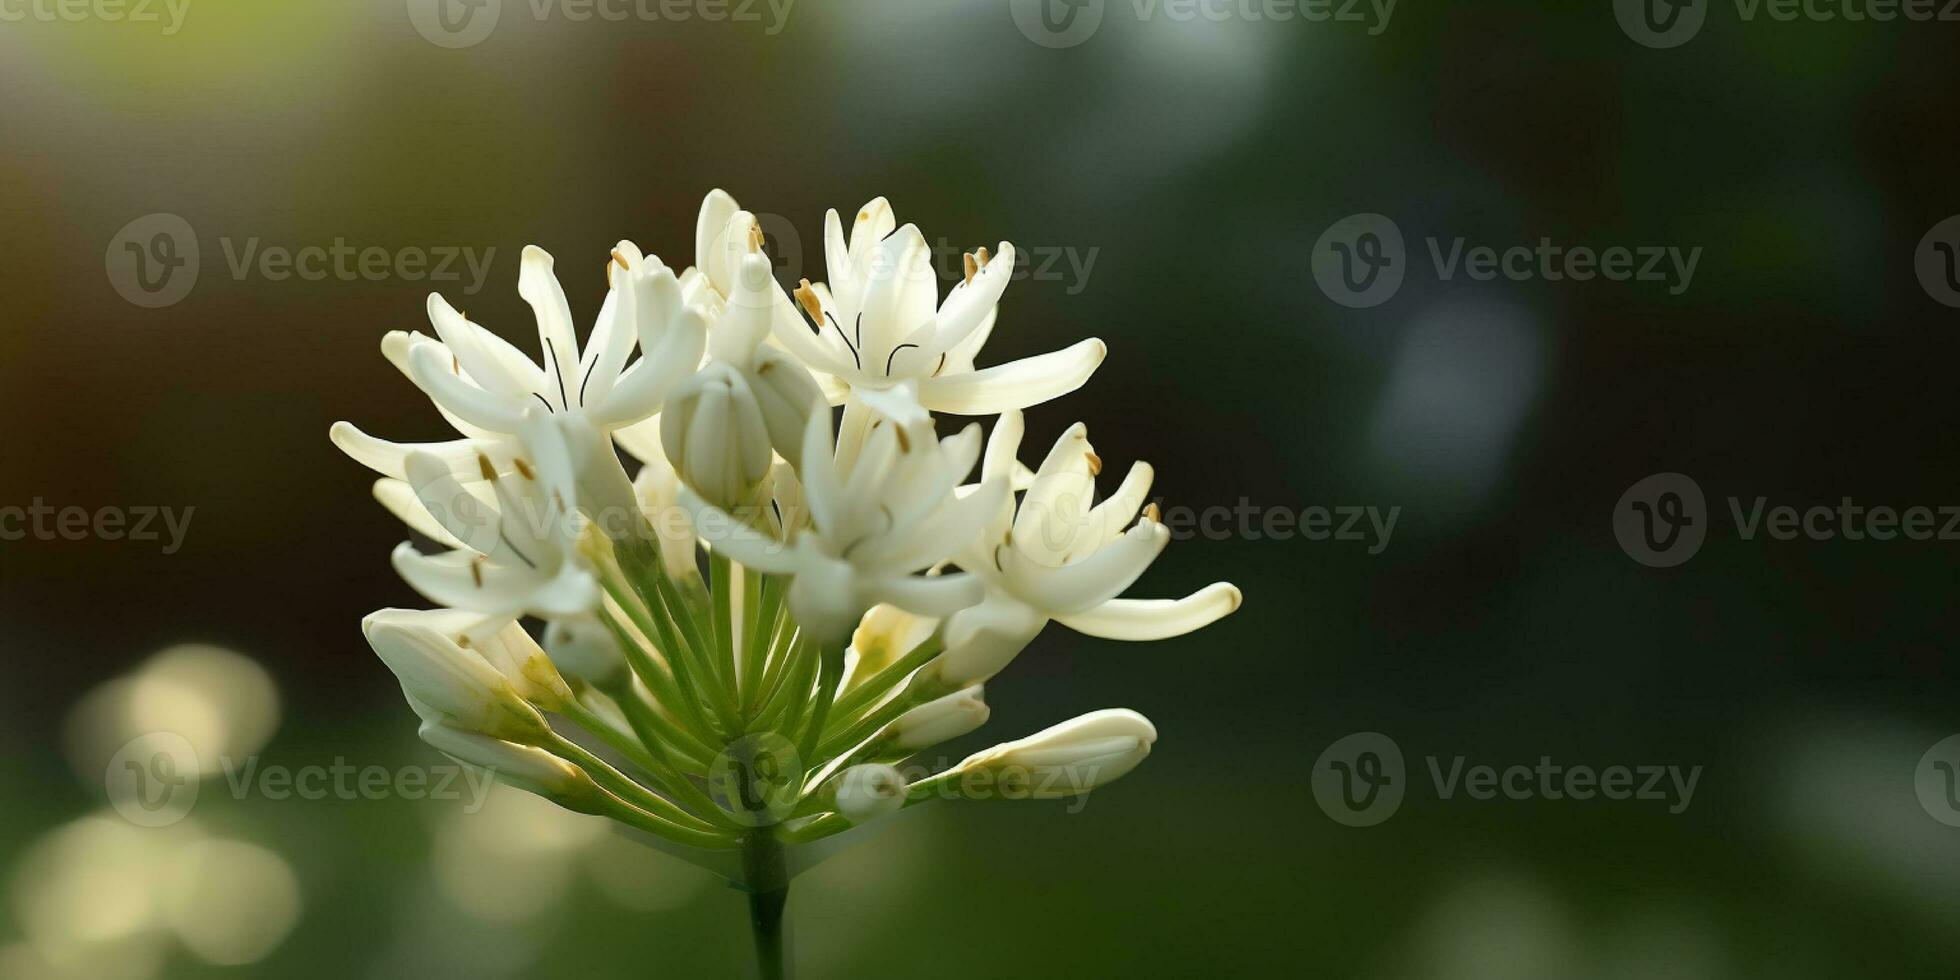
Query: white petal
x,y
467,517
970,303
434,375
400,499
1003,445
645,386
899,402
388,458
1155,619
1016,384
710,223
558,341
937,596
899,298
477,351
1091,581
737,540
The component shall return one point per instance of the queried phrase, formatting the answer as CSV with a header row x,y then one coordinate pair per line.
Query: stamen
x,y
984,257
476,571
524,469
1095,464
755,237
1152,514
808,297
618,261
904,441
972,266
483,464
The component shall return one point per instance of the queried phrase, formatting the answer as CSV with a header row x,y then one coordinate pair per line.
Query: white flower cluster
x,y
787,600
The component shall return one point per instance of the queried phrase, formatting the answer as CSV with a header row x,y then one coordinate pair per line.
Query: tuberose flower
x,y
877,329
874,526
1062,556
521,556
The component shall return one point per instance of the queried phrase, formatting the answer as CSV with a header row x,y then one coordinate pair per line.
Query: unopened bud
x,y
865,793
457,684
938,721
523,766
1069,759
715,437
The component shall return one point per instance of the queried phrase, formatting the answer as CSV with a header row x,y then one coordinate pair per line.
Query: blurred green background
x,y
1197,163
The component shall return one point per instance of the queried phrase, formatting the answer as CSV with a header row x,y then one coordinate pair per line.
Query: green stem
x,y
765,874
860,697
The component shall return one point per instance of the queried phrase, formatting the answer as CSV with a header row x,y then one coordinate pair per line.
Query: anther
x,y
808,297
1152,514
1095,464
972,266
483,464
524,469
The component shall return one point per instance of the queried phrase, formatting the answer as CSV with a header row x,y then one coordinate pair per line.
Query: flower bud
x,y
865,793
788,396
584,648
523,766
457,684
1069,759
714,435
937,721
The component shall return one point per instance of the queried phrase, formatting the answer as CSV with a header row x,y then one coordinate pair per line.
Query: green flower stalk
x,y
748,645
